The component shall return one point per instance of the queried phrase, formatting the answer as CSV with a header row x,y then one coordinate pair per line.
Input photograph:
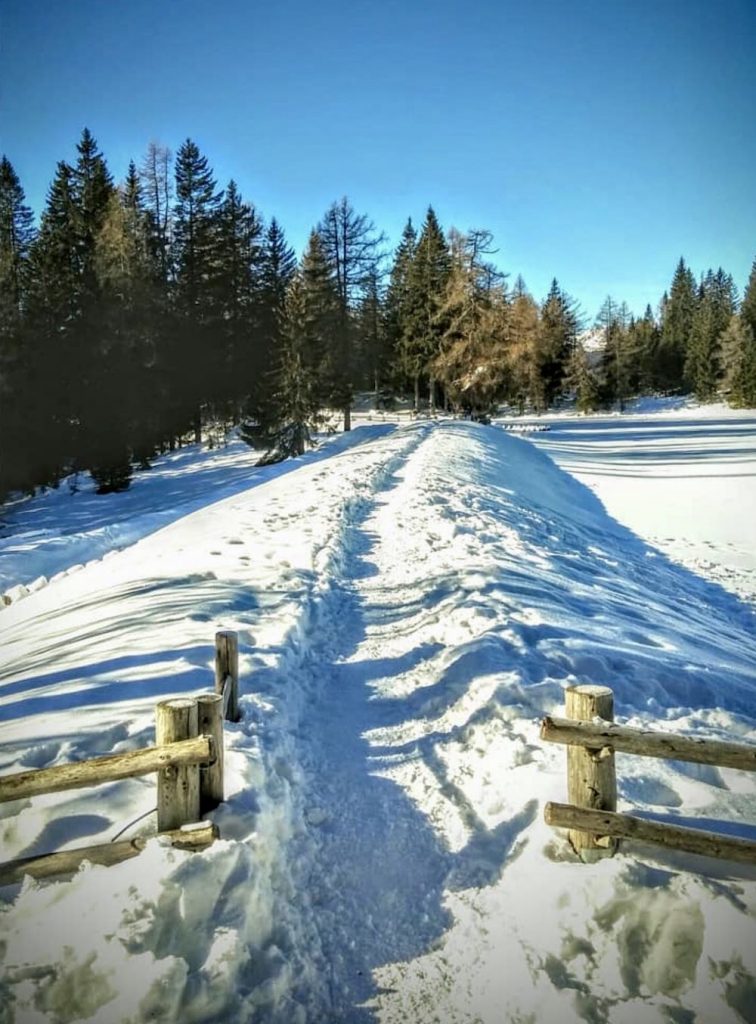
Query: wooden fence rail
x,y
648,743
187,759
110,768
592,738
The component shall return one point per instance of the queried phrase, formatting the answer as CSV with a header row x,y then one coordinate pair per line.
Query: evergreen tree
x,y
557,337
398,312
64,337
427,280
676,328
278,265
583,380
237,289
373,353
92,189
738,356
199,364
16,237
303,379
716,305
748,305
644,340
619,360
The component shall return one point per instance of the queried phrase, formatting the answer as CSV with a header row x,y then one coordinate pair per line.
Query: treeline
x,y
139,315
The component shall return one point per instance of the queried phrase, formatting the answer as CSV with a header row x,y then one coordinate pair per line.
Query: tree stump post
x,y
210,723
177,786
227,664
591,778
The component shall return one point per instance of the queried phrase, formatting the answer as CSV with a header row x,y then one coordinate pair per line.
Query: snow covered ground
x,y
410,601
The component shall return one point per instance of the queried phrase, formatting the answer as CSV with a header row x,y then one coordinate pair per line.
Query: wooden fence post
x,y
227,664
210,721
177,786
591,778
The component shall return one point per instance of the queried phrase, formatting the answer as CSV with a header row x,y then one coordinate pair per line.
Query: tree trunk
x,y
431,395
347,418
417,392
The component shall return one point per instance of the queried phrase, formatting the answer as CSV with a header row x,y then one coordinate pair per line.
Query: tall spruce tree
x,y
676,327
398,311
302,383
748,305
278,264
427,280
557,335
716,304
237,287
199,363
619,362
372,349
16,238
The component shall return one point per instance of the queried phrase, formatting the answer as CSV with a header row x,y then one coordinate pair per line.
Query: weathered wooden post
x,y
210,722
177,786
591,778
227,665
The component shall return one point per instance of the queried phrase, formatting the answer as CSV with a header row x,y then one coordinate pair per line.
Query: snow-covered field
x,y
410,600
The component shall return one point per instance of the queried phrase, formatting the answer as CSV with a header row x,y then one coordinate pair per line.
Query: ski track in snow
x,y
406,614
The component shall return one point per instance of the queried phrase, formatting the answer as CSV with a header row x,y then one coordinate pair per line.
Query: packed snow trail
x,y
419,747
407,610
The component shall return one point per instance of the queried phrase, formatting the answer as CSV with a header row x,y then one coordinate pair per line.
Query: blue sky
x,y
598,139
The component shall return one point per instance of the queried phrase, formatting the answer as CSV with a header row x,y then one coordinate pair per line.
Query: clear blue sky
x,y
598,139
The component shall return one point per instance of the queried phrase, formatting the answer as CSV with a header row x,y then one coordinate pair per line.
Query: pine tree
x,y
237,288
583,380
195,257
748,305
557,337
278,265
16,238
645,342
303,379
738,354
619,358
398,311
372,350
716,305
92,189
126,393
427,280
676,328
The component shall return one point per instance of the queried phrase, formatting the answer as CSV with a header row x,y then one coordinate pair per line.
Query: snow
x,y
410,600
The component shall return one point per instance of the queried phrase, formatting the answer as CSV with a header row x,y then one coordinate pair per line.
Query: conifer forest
x,y
140,315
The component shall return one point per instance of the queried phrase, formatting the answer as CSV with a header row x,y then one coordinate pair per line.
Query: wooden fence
x,y
187,759
591,816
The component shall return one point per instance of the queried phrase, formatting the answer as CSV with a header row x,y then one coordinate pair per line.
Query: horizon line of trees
x,y
140,315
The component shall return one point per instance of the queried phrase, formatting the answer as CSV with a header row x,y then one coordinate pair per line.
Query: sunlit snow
x,y
410,600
